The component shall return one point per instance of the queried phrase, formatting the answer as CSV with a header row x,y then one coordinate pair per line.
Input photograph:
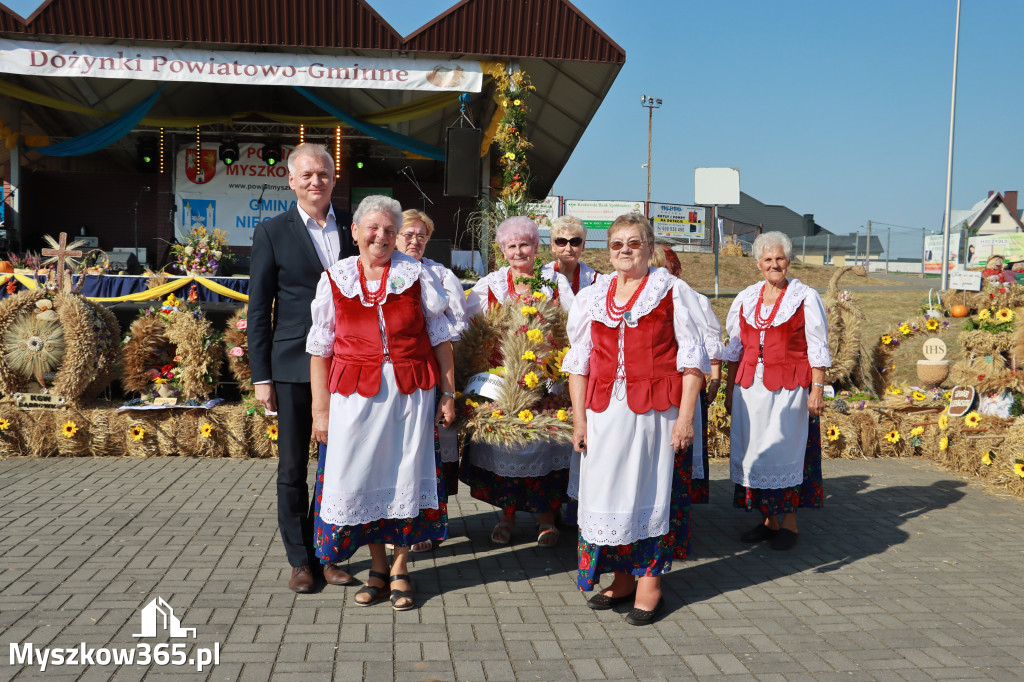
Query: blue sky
x,y
840,109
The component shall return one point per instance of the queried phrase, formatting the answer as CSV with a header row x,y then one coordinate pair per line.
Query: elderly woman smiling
x,y
534,478
568,239
380,345
636,367
777,353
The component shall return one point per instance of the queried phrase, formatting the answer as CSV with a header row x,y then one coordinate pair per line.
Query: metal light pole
x,y
949,161
651,103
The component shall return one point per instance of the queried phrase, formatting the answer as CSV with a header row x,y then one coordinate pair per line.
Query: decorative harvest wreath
x,y
236,342
56,342
522,342
171,351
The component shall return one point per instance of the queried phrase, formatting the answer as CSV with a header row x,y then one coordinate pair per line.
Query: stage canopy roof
x,y
571,62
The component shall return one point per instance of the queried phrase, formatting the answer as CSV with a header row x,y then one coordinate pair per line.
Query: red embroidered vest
x,y
652,381
359,351
785,354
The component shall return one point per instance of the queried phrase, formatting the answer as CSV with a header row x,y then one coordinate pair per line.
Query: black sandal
x,y
376,593
403,594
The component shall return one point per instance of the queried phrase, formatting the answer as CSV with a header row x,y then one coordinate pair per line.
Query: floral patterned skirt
x,y
650,556
809,494
535,494
336,544
700,488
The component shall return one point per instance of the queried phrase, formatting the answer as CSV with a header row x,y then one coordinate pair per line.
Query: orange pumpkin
x,y
959,311
6,266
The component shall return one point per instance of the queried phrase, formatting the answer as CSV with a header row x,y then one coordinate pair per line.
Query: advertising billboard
x,y
678,220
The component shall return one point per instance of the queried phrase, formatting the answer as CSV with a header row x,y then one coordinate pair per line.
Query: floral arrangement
x,y
202,253
992,320
512,90
523,342
56,342
889,343
26,261
236,341
171,352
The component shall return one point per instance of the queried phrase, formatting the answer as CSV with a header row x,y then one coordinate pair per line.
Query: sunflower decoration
x,y
894,390
987,458
932,324
893,436
944,443
272,432
34,346
69,429
833,433
206,430
886,339
1004,315
138,433
5,424
919,396
944,421
972,420
915,436
1018,467
905,329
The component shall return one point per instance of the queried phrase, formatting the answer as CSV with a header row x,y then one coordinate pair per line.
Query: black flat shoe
x,y
640,617
758,533
784,540
602,602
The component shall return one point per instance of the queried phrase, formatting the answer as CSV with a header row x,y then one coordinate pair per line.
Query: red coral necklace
x,y
615,311
575,278
761,322
374,298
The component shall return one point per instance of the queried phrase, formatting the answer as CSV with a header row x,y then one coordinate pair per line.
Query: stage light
x,y
271,153
229,151
148,158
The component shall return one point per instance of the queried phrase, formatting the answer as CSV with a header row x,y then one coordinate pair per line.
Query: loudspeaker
x,y
440,251
462,162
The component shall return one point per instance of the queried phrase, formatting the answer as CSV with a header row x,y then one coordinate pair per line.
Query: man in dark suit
x,y
289,253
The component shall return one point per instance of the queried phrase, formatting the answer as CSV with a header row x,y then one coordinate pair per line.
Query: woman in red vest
x,y
635,368
777,353
533,478
380,346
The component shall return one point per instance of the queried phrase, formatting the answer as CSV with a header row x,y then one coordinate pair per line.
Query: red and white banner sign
x,y
72,60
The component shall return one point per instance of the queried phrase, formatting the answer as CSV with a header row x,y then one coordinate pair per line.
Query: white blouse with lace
x,y
497,284
625,479
456,312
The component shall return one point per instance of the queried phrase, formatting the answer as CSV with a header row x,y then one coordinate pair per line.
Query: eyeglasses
x,y
411,237
633,243
562,241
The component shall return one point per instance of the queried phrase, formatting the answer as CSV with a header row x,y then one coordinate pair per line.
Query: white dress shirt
x,y
325,239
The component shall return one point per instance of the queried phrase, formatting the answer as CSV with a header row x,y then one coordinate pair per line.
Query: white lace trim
x,y
497,284
773,480
405,271
659,284
692,355
448,441
356,509
320,341
439,329
587,275
534,460
577,360
456,314
793,299
818,355
609,528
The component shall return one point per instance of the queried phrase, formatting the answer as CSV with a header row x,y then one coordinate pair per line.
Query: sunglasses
x,y
562,241
633,243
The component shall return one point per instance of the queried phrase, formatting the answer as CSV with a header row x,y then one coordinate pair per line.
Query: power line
x,y
905,227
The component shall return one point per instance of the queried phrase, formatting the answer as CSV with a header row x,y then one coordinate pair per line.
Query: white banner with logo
x,y
677,220
933,252
232,198
77,60
599,214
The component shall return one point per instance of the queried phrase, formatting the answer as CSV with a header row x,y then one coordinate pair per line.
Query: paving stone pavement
x,y
909,573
